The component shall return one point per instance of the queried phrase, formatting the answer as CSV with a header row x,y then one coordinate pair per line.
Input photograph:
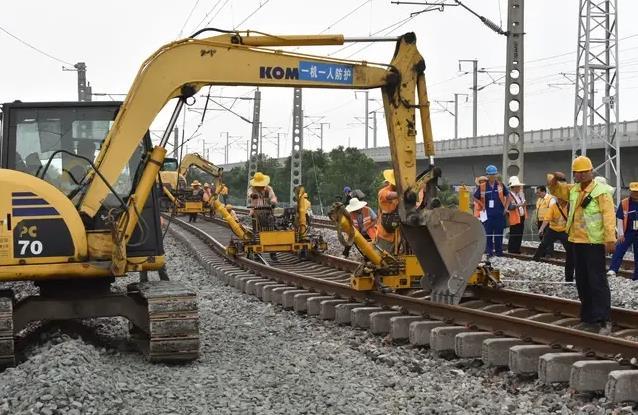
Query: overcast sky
x,y
115,37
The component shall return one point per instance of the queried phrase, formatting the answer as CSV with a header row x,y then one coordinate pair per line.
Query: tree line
x,y
324,175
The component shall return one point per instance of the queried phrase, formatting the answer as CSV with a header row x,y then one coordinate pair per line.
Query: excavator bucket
x,y
449,245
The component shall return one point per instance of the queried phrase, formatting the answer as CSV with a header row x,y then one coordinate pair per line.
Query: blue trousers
x,y
494,227
621,250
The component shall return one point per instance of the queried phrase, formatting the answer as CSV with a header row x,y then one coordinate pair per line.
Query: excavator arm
x,y
446,243
206,166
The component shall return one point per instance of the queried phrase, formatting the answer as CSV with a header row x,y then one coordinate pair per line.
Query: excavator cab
x,y
35,134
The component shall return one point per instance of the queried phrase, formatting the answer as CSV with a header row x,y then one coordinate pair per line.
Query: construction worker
x,y
196,194
478,206
517,212
603,182
552,229
591,228
363,218
207,198
261,199
260,194
347,195
222,191
543,200
492,195
627,228
388,221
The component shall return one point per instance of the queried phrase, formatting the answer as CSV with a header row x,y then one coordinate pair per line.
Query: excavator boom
x,y
447,243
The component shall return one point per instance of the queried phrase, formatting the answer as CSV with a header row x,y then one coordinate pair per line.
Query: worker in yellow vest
x,y
627,217
591,228
543,201
553,228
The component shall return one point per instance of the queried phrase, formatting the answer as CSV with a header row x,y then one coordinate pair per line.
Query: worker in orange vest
x,y
363,218
478,205
627,218
517,212
388,221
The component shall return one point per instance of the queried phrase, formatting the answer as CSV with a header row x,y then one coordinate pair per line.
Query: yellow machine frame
x,y
448,242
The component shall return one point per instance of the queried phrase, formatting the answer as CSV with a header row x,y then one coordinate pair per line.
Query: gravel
x,y
543,278
256,358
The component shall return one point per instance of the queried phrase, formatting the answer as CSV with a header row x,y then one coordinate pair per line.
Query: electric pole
x,y
85,94
321,136
176,142
279,142
254,137
596,115
474,93
366,117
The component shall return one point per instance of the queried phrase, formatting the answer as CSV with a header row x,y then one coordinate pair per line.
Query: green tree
x,y
324,176
350,167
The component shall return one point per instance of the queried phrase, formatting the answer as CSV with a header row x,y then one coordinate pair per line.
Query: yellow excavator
x,y
75,243
175,187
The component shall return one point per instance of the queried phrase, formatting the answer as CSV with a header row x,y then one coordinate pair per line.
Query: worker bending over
x,y
552,229
591,228
627,216
492,196
388,222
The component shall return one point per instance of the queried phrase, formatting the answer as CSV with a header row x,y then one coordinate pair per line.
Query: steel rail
x,y
529,330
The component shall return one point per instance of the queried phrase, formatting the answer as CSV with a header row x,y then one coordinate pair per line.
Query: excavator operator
x,y
196,194
388,223
260,194
262,200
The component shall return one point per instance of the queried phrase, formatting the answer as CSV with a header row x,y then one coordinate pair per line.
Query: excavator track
x,y
7,352
172,334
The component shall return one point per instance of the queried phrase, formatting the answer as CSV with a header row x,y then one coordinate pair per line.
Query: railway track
x,y
531,334
527,252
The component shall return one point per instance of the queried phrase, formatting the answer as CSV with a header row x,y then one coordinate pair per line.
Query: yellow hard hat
x,y
228,207
260,179
195,183
206,185
388,175
633,186
582,163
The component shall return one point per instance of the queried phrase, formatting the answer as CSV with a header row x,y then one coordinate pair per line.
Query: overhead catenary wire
x,y
199,25
181,31
251,14
40,51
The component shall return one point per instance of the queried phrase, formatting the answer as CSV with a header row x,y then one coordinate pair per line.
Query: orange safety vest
x,y
368,226
385,206
483,187
208,194
515,215
478,207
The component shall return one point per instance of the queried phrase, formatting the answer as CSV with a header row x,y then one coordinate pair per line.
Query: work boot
x,y
589,327
605,328
163,275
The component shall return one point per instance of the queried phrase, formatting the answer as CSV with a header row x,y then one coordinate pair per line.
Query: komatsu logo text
x,y
277,72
